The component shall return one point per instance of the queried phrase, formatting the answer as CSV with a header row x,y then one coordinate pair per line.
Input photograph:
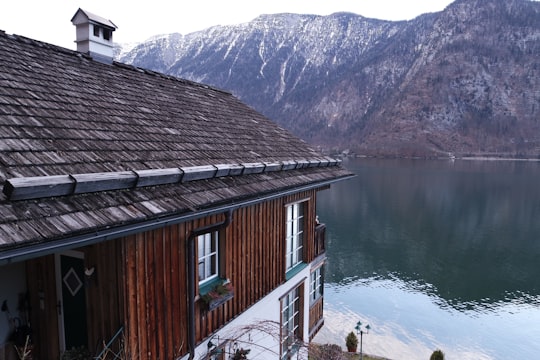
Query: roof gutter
x,y
41,249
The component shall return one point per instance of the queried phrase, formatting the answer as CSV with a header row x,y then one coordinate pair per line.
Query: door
x,y
72,300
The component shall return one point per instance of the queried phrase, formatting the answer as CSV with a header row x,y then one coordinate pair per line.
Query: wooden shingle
x,y
86,146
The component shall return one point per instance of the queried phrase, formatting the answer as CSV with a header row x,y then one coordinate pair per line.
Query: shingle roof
x,y
63,114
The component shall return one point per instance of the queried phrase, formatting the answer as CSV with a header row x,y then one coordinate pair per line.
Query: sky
x,y
49,20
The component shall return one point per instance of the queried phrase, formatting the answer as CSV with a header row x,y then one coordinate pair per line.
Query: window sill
x,y
295,270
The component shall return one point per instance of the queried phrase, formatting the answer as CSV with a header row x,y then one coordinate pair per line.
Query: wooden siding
x,y
43,311
104,298
156,293
104,293
141,281
316,319
252,257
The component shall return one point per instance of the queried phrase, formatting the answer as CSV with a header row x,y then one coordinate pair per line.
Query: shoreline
x,y
449,158
485,158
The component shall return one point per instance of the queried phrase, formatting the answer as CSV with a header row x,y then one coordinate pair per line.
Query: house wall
x,y
12,284
104,298
43,306
104,292
156,296
258,328
156,275
140,283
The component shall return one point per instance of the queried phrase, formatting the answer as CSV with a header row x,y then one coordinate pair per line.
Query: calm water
x,y
435,254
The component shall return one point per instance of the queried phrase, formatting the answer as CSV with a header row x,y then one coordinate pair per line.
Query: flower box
x,y
218,295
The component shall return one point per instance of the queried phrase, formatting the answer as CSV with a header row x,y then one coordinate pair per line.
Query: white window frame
x,y
295,234
208,257
291,320
316,284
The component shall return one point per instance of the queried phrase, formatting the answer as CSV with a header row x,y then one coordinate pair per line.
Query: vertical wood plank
x,y
51,308
159,294
133,301
167,298
41,283
243,265
150,303
182,281
121,280
141,297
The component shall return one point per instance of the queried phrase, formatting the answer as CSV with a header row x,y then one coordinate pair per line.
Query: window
x,y
316,286
208,251
107,34
295,234
96,30
291,320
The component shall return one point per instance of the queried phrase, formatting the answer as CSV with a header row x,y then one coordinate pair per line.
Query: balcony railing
x,y
320,239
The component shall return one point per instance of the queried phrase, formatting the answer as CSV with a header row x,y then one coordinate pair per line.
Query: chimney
x,y
94,35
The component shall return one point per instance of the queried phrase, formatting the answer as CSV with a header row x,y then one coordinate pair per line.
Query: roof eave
x,y
30,251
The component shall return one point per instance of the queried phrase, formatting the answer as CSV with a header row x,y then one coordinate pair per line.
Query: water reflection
x,y
409,325
435,254
467,232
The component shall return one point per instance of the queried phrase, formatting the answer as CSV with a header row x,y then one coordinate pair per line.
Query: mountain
x,y
463,81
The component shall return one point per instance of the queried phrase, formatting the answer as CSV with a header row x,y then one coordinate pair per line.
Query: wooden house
x,y
148,214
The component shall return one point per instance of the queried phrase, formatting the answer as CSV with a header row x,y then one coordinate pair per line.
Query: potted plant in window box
x,y
218,294
351,341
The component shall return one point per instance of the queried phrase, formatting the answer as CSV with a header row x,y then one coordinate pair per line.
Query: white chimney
x,y
94,35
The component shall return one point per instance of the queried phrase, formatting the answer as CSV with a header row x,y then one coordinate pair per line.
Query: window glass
x,y
316,287
294,235
96,31
290,322
207,247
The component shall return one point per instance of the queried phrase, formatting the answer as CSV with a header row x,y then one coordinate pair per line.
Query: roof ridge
x,y
66,51
42,44
37,187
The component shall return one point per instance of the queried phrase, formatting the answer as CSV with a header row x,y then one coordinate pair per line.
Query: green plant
x,y
351,341
217,292
437,355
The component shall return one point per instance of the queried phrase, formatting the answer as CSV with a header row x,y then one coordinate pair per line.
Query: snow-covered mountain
x,y
465,80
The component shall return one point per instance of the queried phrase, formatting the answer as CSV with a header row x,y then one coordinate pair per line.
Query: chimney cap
x,y
94,36
93,18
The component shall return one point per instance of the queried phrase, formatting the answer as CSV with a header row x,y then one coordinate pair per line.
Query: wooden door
x,y
72,322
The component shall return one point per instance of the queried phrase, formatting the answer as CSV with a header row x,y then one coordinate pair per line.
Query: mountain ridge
x,y
461,81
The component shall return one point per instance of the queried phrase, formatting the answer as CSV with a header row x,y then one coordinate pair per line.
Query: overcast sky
x,y
49,20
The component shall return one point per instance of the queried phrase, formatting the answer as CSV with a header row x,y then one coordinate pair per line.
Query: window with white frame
x,y
291,320
208,254
295,234
316,286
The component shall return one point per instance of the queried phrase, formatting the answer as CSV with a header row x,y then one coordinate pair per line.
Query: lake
x,y
435,255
